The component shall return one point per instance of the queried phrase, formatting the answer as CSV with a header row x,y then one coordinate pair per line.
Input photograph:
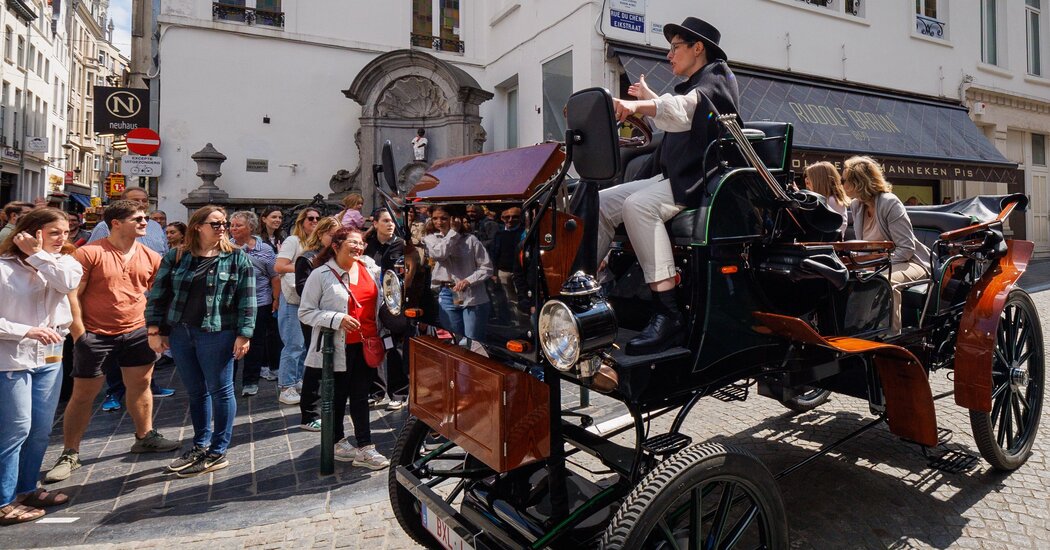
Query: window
x,y
989,32
39,62
1038,149
930,18
557,86
8,39
443,34
47,70
21,51
1032,10
512,118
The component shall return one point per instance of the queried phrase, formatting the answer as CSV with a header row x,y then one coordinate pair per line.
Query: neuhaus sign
x,y
120,110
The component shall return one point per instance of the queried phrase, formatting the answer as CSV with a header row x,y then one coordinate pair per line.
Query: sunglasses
x,y
219,225
313,218
508,218
138,219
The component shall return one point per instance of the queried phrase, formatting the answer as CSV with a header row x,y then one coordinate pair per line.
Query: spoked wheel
x,y
807,400
1006,435
438,464
705,496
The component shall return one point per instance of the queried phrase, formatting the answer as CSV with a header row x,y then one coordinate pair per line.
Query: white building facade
x,y
275,84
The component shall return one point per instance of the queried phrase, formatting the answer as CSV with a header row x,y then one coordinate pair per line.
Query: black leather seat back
x,y
774,148
929,225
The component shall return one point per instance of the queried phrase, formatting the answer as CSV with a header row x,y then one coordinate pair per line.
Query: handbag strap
x,y
346,286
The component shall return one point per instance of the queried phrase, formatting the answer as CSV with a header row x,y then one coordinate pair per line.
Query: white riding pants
x,y
642,206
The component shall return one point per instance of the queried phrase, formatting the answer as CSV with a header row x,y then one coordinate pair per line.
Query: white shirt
x,y
674,113
419,147
33,298
291,249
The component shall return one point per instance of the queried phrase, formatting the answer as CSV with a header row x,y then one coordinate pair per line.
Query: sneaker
x,y
249,390
153,442
369,457
266,374
289,396
299,386
376,402
163,392
209,463
188,458
311,426
345,452
395,405
64,467
111,403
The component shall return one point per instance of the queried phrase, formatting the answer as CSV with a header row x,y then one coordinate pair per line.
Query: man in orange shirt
x,y
110,331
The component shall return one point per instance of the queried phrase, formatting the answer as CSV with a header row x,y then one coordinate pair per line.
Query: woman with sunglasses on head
x,y
37,275
309,396
461,266
342,294
202,306
270,227
384,246
290,373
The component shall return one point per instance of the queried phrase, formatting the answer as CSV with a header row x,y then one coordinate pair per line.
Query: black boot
x,y
664,330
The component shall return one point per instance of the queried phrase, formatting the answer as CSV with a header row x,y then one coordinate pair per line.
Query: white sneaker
x,y
289,396
395,405
369,457
266,374
345,452
249,390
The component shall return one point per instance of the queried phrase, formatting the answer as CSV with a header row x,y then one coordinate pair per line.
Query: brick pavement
x,y
873,492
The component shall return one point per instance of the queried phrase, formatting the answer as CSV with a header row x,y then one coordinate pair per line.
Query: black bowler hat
x,y
697,29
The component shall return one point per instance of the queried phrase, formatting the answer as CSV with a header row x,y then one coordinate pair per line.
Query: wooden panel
x,y
566,234
909,401
504,175
977,328
499,415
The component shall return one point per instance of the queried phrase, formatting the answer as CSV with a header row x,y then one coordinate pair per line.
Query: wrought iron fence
x,y
242,14
929,26
437,43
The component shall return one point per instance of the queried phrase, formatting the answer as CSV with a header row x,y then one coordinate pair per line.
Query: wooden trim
x,y
959,233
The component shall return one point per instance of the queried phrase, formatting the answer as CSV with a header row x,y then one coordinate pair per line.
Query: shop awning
x,y
928,139
84,200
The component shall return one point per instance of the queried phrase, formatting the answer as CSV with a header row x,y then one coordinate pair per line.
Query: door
x,y
1035,185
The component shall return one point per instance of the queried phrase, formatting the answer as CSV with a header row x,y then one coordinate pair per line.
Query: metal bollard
x,y
325,342
585,397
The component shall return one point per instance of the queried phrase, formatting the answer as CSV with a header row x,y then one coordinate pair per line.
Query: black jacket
x,y
681,154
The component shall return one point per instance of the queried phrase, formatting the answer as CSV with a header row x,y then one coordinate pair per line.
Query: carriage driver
x,y
674,179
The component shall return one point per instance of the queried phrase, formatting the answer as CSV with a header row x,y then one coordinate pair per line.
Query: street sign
x,y
115,185
140,165
143,141
36,144
119,110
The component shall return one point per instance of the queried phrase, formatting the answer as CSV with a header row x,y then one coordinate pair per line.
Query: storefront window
x,y
557,87
1038,149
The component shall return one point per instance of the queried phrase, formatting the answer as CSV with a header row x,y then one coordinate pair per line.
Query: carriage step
x,y
944,435
731,393
953,462
665,444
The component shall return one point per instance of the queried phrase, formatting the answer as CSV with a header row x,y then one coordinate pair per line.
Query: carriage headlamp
x,y
578,323
559,335
393,292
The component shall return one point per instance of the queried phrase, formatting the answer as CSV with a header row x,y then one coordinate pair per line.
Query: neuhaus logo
x,y
120,110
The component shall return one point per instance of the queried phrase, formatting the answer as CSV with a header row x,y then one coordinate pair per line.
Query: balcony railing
x,y
852,6
929,26
821,3
242,14
437,43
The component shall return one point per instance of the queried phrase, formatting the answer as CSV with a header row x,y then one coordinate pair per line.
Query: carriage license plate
x,y
442,532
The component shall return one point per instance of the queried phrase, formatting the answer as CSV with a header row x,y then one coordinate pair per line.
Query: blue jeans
x,y
204,361
469,321
29,399
293,356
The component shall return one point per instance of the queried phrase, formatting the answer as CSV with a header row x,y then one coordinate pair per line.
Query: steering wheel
x,y
634,132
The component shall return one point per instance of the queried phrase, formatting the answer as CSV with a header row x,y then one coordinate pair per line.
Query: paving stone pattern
x,y
873,492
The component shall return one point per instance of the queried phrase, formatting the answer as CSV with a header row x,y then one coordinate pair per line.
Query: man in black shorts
x,y
109,328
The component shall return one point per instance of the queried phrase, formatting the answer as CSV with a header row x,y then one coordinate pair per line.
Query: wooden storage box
x,y
497,414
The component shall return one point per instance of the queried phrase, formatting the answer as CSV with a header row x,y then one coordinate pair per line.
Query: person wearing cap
x,y
674,180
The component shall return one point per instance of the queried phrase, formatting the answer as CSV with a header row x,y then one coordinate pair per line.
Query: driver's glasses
x,y
218,226
674,46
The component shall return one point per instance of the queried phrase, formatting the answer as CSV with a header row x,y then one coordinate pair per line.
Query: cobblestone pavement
x,y
873,492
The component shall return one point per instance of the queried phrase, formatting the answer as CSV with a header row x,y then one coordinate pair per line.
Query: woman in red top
x,y
341,294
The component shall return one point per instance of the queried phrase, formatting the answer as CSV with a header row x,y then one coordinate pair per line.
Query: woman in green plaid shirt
x,y
203,305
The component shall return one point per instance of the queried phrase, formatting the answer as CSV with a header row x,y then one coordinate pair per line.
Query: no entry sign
x,y
143,141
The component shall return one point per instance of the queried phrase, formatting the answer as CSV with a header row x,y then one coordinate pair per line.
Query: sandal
x,y
44,499
13,514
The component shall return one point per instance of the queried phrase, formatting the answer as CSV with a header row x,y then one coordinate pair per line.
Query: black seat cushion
x,y
929,225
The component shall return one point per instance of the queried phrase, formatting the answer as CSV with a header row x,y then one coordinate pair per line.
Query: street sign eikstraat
x,y
120,110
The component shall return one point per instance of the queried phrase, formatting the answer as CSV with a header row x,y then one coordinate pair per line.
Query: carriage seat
x,y
929,225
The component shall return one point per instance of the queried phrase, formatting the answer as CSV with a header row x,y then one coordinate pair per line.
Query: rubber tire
x,y
688,468
981,422
405,506
802,404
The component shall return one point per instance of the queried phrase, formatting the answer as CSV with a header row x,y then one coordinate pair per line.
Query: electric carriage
x,y
773,298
